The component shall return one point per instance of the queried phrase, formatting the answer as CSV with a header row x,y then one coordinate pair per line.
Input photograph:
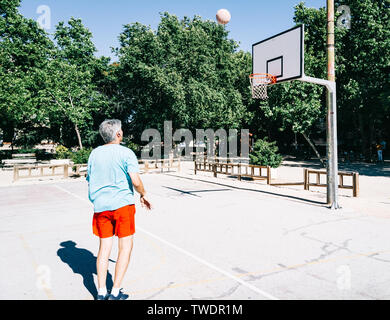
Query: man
x,y
113,171
383,143
379,151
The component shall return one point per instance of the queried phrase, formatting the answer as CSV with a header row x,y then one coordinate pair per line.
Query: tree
x,y
265,154
74,44
68,80
362,75
363,68
24,50
71,96
187,71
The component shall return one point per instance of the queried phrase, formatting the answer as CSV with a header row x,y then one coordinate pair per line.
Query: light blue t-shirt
x,y
110,186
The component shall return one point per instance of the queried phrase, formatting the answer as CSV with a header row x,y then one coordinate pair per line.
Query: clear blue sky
x,y
252,20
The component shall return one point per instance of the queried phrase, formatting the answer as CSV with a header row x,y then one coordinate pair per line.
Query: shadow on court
x,y
191,193
83,262
364,169
288,197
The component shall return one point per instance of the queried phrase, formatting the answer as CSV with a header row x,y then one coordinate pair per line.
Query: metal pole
x,y
332,170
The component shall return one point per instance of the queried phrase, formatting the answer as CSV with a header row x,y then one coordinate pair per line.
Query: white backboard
x,y
281,55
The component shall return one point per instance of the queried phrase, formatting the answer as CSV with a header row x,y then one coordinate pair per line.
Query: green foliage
x,y
265,154
187,71
24,50
46,89
24,150
363,69
129,143
62,152
9,7
81,156
78,157
5,154
190,72
69,90
75,43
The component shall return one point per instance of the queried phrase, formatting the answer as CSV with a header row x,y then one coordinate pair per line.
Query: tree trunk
x,y
78,136
75,125
314,149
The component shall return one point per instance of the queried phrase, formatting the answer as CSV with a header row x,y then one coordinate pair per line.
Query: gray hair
x,y
109,128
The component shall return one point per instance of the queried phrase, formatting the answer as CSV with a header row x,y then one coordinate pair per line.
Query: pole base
x,y
334,206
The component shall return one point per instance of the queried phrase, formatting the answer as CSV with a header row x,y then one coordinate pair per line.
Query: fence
x,y
235,169
40,171
160,165
19,159
215,159
256,173
354,186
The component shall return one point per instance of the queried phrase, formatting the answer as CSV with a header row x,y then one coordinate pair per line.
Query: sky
x,y
252,20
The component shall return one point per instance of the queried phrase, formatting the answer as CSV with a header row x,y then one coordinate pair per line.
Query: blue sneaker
x,y
99,297
120,296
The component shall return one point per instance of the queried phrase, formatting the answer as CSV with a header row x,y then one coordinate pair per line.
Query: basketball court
x,y
203,240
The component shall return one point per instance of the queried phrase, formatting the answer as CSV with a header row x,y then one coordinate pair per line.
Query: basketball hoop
x,y
259,83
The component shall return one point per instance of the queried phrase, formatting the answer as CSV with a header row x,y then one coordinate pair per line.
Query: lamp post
x,y
332,172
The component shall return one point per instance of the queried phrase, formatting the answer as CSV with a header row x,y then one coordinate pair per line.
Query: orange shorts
x,y
118,222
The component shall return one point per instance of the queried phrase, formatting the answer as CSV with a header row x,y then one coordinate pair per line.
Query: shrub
x,y
63,152
25,150
42,155
265,154
81,156
133,146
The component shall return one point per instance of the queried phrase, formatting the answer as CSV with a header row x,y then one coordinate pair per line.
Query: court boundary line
x,y
189,254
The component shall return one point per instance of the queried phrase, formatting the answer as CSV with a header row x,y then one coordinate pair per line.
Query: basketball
x,y
223,16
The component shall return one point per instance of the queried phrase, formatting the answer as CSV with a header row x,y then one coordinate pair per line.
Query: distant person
x,y
380,152
113,171
383,143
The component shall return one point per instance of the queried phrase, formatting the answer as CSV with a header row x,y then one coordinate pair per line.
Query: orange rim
x,y
264,77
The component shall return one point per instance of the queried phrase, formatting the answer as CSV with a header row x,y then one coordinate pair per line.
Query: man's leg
x,y
102,261
125,246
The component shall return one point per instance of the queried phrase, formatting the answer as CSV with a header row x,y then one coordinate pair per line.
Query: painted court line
x,y
200,260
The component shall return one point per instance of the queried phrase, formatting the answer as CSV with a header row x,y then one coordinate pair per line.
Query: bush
x,y
25,150
5,154
133,146
81,156
42,155
63,152
265,154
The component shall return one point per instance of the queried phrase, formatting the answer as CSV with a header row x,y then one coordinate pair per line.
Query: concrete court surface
x,y
203,240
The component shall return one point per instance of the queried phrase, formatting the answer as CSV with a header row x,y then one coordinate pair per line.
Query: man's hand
x,y
145,203
138,185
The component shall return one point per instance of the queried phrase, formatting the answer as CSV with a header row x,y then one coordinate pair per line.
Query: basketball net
x,y
259,83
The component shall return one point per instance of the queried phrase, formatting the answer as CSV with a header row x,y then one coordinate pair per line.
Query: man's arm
x,y
139,187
